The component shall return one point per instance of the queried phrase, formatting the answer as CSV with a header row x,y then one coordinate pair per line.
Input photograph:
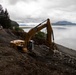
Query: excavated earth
x,y
37,62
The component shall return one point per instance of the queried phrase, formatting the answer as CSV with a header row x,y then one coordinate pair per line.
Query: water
x,y
64,35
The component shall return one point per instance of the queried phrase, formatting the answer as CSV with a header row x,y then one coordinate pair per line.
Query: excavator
x,y
24,44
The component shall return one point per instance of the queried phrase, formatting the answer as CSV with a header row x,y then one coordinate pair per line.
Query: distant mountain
x,y
64,23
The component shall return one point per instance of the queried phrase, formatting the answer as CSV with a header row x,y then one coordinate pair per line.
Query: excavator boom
x,y
39,27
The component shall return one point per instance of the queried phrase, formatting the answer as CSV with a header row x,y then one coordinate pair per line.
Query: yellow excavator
x,y
24,44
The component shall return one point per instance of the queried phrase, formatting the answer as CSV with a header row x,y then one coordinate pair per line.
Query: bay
x,y
64,35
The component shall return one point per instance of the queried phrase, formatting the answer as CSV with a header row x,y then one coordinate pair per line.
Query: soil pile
x,y
37,62
6,36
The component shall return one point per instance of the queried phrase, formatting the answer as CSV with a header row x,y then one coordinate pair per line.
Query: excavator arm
x,y
39,27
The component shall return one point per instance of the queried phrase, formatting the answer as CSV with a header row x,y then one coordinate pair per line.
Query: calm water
x,y
64,35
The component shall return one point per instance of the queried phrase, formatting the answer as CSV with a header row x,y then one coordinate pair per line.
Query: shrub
x,y
40,35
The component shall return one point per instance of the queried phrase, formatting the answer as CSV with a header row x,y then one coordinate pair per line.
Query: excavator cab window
x,y
31,45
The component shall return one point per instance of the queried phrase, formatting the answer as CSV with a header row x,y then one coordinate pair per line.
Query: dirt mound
x,y
38,62
6,35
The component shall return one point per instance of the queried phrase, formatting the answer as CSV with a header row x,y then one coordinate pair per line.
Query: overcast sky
x,y
27,10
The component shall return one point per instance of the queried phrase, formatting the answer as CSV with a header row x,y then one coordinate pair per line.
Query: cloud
x,y
13,2
0,0
53,9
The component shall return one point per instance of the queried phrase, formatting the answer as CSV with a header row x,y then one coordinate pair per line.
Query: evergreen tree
x,y
6,13
1,8
4,18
